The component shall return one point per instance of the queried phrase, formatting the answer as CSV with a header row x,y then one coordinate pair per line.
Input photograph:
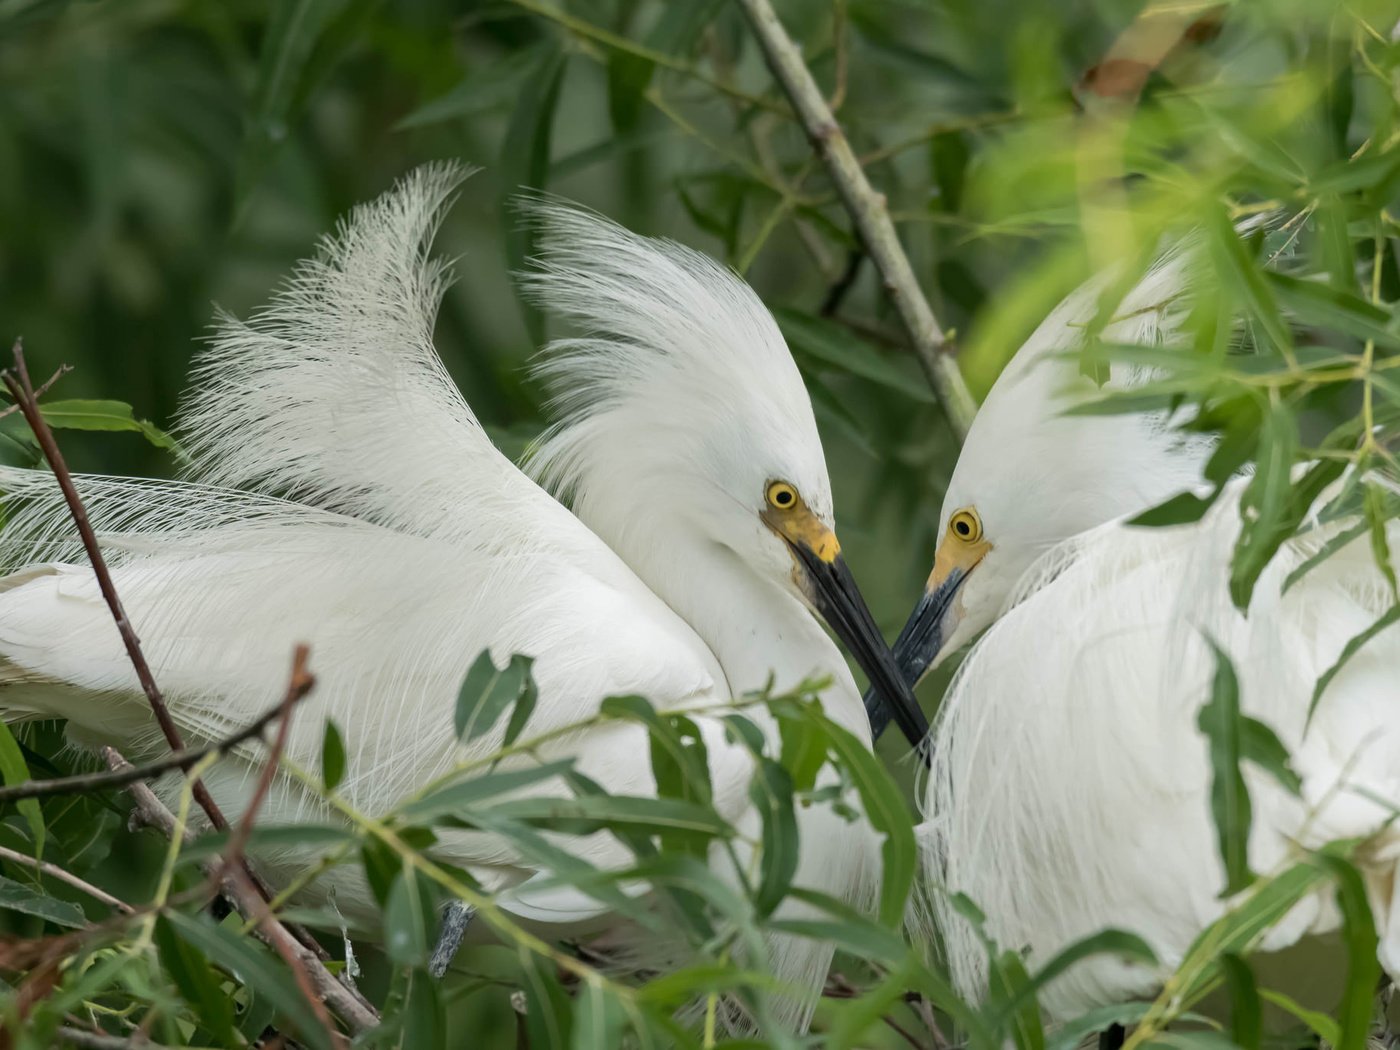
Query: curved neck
x,y
757,630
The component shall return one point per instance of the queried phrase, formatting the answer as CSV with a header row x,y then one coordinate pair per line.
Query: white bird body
x,y
345,496
1070,784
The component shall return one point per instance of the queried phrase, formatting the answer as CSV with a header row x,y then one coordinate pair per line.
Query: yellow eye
x,y
966,525
782,495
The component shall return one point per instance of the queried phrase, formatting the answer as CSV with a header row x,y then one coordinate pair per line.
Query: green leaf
x,y
814,340
271,837
1331,547
423,1019
457,799
410,918
548,1016
1322,1024
1263,504
198,984
1377,516
292,34
1260,745
15,770
1246,1015
524,704
1363,967
1125,945
1239,272
253,966
770,790
105,416
497,84
599,1018
525,163
1324,306
1389,617
16,896
1220,721
584,816
332,757
487,691
862,939
1182,509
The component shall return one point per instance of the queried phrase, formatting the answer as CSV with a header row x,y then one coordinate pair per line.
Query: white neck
x,y
757,629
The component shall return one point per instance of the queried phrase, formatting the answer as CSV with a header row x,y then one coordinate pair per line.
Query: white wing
x,y
408,545
1070,788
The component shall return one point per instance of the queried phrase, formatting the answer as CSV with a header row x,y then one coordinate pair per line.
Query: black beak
x,y
915,648
833,591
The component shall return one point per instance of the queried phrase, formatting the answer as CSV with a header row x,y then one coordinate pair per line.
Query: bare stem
x,y
867,210
62,875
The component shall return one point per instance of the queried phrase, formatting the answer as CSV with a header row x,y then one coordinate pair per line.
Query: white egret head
x,y
683,417
1030,476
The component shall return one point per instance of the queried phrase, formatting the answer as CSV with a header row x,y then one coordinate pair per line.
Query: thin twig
x,y
17,381
349,1006
82,1040
843,284
867,210
83,783
42,389
14,856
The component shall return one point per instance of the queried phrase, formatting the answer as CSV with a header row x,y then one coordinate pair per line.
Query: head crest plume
x,y
677,353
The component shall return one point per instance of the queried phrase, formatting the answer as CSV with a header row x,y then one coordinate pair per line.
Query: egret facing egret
x,y
1070,785
343,494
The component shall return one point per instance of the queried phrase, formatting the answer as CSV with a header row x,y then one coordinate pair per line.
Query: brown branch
x,y
868,213
42,390
1148,41
345,1003
84,1040
184,760
17,381
62,875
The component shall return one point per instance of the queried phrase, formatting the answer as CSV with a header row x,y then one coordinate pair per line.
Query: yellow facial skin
x,y
786,514
962,548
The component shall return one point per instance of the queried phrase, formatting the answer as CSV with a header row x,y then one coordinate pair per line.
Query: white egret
x,y
344,495
1070,784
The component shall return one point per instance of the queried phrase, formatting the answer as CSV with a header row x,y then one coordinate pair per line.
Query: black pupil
x,y
963,528
783,498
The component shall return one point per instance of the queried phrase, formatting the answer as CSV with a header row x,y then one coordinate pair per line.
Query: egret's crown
x,y
1031,476
681,413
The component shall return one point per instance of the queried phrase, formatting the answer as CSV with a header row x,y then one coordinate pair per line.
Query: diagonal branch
x,y
868,213
83,783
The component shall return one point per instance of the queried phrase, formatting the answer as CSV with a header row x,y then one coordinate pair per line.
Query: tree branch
x,y
86,782
15,857
350,1007
868,213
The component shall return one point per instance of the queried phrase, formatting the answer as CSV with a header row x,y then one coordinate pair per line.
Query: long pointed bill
x,y
919,642
833,591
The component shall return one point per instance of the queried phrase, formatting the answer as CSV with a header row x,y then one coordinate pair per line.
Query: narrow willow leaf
x,y
292,35
584,816
486,692
770,790
1182,509
1007,982
1238,271
862,939
599,1019
410,917
271,837
1363,966
197,983
497,84
422,1018
1260,745
1263,504
549,1019
1331,547
1391,616
1253,556
1377,517
524,705
15,770
16,896
860,1018
1127,946
1322,1025
253,966
1327,307
1246,1013
332,757
104,416
525,163
458,798
1220,721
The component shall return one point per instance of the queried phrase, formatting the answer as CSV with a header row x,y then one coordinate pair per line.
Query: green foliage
x,y
155,157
